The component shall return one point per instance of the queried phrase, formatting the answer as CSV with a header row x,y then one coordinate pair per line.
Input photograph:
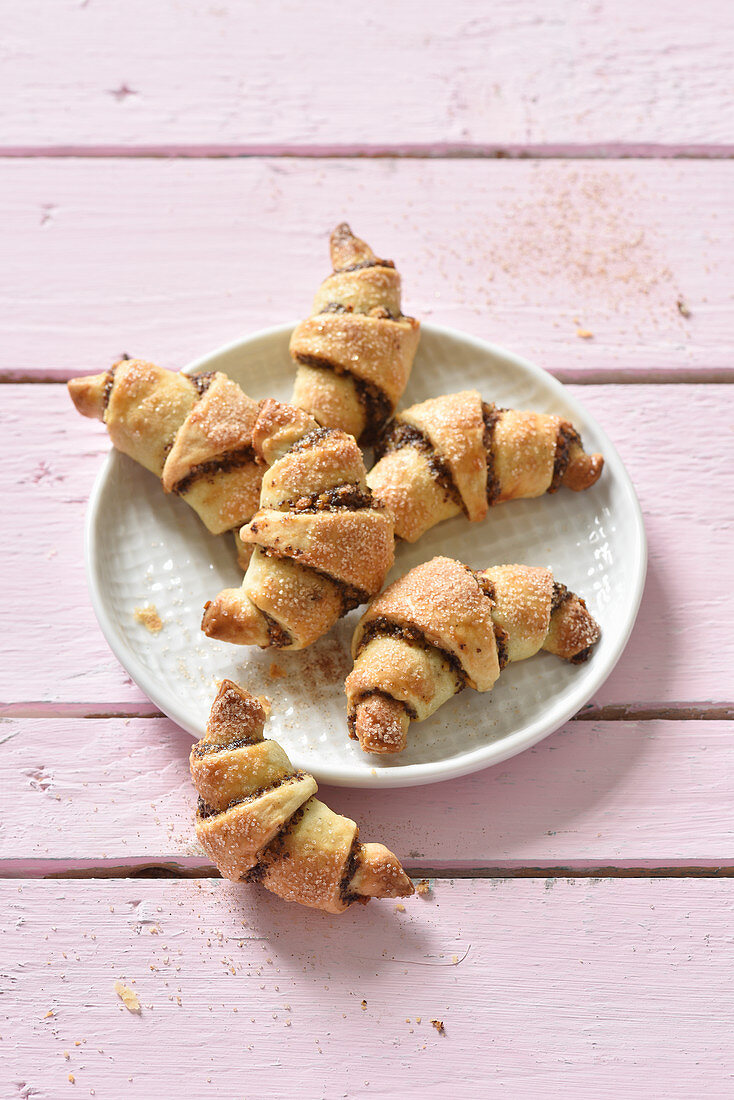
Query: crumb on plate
x,y
148,616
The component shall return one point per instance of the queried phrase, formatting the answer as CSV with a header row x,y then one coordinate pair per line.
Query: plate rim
x,y
407,775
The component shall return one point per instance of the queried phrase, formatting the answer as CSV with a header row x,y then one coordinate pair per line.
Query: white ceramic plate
x,y
144,547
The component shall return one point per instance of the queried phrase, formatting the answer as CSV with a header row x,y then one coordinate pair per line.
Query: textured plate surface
x,y
144,547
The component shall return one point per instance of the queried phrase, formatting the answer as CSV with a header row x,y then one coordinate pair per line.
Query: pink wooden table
x,y
169,174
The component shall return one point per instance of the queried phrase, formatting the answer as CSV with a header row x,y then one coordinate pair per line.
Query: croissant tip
x,y
341,231
381,724
348,249
87,393
236,713
380,874
232,617
583,472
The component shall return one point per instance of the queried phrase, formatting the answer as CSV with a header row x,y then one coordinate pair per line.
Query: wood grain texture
x,y
516,73
562,990
169,259
109,794
676,440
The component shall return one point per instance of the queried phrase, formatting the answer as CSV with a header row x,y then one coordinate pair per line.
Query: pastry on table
x,y
258,819
194,432
444,626
321,545
355,352
457,453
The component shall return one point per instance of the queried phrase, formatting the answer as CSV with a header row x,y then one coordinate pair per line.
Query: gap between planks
x,y
585,376
613,712
407,151
32,870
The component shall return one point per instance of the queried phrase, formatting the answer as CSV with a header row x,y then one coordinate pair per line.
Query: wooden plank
x,y
516,74
50,458
170,259
599,989
105,794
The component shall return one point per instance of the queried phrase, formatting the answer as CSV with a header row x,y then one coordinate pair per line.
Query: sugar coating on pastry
x,y
321,544
443,627
259,820
354,354
457,453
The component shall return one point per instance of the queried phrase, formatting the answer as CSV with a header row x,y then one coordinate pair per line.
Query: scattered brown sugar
x,y
423,887
438,1024
276,672
128,997
584,334
149,618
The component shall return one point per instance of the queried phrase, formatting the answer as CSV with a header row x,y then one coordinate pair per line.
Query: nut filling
x,y
566,437
231,461
382,627
376,404
202,381
273,851
204,810
398,434
108,384
342,497
490,415
500,635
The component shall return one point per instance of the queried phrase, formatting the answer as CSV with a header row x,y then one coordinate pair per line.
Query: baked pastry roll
x,y
458,453
321,544
355,352
194,432
258,820
443,626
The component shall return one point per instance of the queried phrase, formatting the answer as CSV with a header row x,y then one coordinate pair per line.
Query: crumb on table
x,y
423,887
128,997
438,1024
276,672
149,618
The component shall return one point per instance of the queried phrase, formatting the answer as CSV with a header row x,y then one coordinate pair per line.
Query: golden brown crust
x,y
277,428
258,818
381,724
572,629
454,426
195,433
88,394
354,548
441,626
455,453
321,545
355,352
219,424
442,600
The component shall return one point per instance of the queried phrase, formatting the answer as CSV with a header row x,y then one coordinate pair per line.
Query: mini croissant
x,y
355,352
321,545
443,626
458,453
194,432
258,819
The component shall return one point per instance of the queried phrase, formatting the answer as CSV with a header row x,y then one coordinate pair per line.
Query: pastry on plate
x,y
457,453
258,819
321,545
355,352
444,626
194,432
